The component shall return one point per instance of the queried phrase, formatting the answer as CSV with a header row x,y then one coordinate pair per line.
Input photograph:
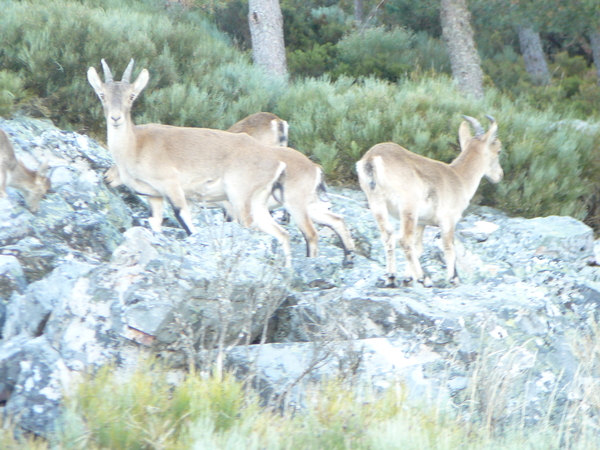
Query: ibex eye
x,y
132,97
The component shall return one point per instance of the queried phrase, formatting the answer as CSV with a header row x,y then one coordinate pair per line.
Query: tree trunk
x,y
533,54
266,30
595,41
359,14
464,59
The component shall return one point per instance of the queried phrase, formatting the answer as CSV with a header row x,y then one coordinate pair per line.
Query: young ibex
x,y
305,199
161,161
32,184
419,191
266,128
305,196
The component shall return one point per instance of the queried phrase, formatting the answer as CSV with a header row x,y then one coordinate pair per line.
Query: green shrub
x,y
312,62
375,52
50,45
198,79
11,91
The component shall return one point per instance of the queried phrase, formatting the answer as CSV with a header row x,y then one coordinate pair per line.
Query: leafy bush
x,y
375,52
144,410
11,91
50,45
312,62
199,79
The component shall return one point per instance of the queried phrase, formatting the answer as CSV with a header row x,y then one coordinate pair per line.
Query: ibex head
x,y
37,188
490,145
117,96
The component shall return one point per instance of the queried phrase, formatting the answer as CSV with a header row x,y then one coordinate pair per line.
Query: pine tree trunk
x,y
595,41
266,30
464,59
533,54
359,15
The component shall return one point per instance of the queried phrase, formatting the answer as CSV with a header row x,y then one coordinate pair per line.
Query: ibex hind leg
x,y
409,231
388,236
265,222
450,255
311,236
323,216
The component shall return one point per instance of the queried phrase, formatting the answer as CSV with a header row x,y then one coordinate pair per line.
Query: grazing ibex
x,y
266,128
161,161
419,191
32,184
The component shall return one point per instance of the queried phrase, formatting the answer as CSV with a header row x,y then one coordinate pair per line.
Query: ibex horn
x,y
107,73
493,121
475,124
127,73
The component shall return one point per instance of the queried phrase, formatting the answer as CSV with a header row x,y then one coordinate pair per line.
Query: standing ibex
x,y
161,161
420,191
266,128
33,185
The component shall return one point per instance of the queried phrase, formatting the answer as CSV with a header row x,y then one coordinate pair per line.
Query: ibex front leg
x,y
388,238
450,253
411,238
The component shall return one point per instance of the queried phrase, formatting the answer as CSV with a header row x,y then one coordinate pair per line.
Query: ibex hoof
x,y
407,281
455,280
426,282
388,282
348,261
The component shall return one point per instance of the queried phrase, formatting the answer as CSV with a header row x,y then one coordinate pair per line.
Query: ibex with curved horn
x,y
161,161
32,184
419,191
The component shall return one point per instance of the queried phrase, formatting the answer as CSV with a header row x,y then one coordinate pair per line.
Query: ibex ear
x,y
464,134
141,82
94,80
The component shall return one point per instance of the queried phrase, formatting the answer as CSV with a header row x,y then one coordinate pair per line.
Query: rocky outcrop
x,y
84,282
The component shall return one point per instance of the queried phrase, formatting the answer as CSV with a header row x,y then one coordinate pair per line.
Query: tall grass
x,y
154,407
145,410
